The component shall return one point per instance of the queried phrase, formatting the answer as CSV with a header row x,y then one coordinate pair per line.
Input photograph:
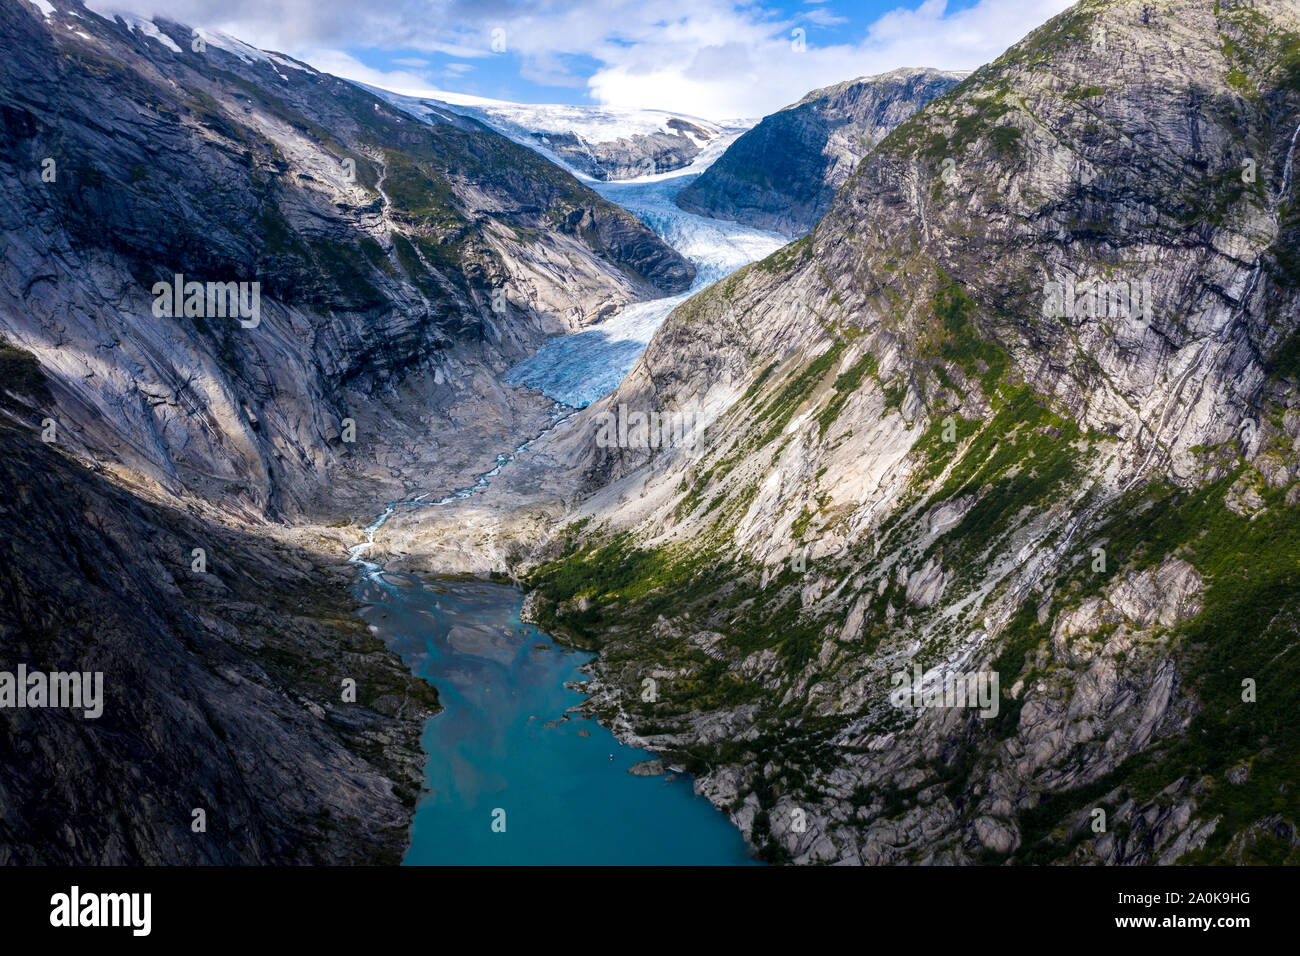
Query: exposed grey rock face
x,y
920,461
392,255
222,690
400,266
782,174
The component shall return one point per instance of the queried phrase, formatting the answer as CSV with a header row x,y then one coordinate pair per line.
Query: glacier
x,y
577,369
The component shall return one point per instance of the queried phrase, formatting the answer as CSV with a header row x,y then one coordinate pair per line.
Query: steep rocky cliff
x,y
782,174
391,254
167,472
1022,406
222,689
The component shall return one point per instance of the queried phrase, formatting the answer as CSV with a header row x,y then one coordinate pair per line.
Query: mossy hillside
x,y
1285,361
446,154
1022,428
755,423
417,179
419,194
788,258
1020,463
1251,570
1024,453
374,252
845,385
964,345
1283,263
629,590
412,265
765,410
1020,459
601,590
771,418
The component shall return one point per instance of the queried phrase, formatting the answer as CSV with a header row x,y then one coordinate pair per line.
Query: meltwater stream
x,y
513,776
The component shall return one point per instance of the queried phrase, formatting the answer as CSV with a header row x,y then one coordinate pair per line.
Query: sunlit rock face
x,y
1022,403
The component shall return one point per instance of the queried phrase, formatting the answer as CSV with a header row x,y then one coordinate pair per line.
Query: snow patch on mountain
x,y
583,131
596,124
134,22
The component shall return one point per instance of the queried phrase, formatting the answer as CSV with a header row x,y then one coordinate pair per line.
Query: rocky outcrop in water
x,y
782,174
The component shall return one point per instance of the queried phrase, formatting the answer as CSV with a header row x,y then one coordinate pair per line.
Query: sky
x,y
716,59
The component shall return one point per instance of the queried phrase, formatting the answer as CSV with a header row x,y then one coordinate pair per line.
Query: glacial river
x,y
512,776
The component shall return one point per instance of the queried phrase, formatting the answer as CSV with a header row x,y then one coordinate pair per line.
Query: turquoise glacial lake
x,y
557,790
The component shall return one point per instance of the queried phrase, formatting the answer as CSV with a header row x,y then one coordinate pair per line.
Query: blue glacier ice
x,y
577,369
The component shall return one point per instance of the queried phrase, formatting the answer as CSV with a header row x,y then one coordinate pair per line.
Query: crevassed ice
x,y
577,369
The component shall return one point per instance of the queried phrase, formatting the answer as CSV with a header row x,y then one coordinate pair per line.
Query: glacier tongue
x,y
716,248
577,369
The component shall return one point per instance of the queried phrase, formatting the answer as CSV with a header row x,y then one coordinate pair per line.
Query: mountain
x,y
1020,412
604,143
972,530
401,265
182,484
782,174
221,689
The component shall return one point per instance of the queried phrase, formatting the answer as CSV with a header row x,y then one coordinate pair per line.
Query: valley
x,y
912,461
508,741
982,548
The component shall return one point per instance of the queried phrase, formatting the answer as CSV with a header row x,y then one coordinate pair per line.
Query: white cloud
x,y
712,58
350,68
773,73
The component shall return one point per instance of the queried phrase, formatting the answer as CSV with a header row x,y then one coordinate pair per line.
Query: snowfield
x,y
533,125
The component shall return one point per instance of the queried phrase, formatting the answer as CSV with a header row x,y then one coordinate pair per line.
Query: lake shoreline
x,y
513,737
